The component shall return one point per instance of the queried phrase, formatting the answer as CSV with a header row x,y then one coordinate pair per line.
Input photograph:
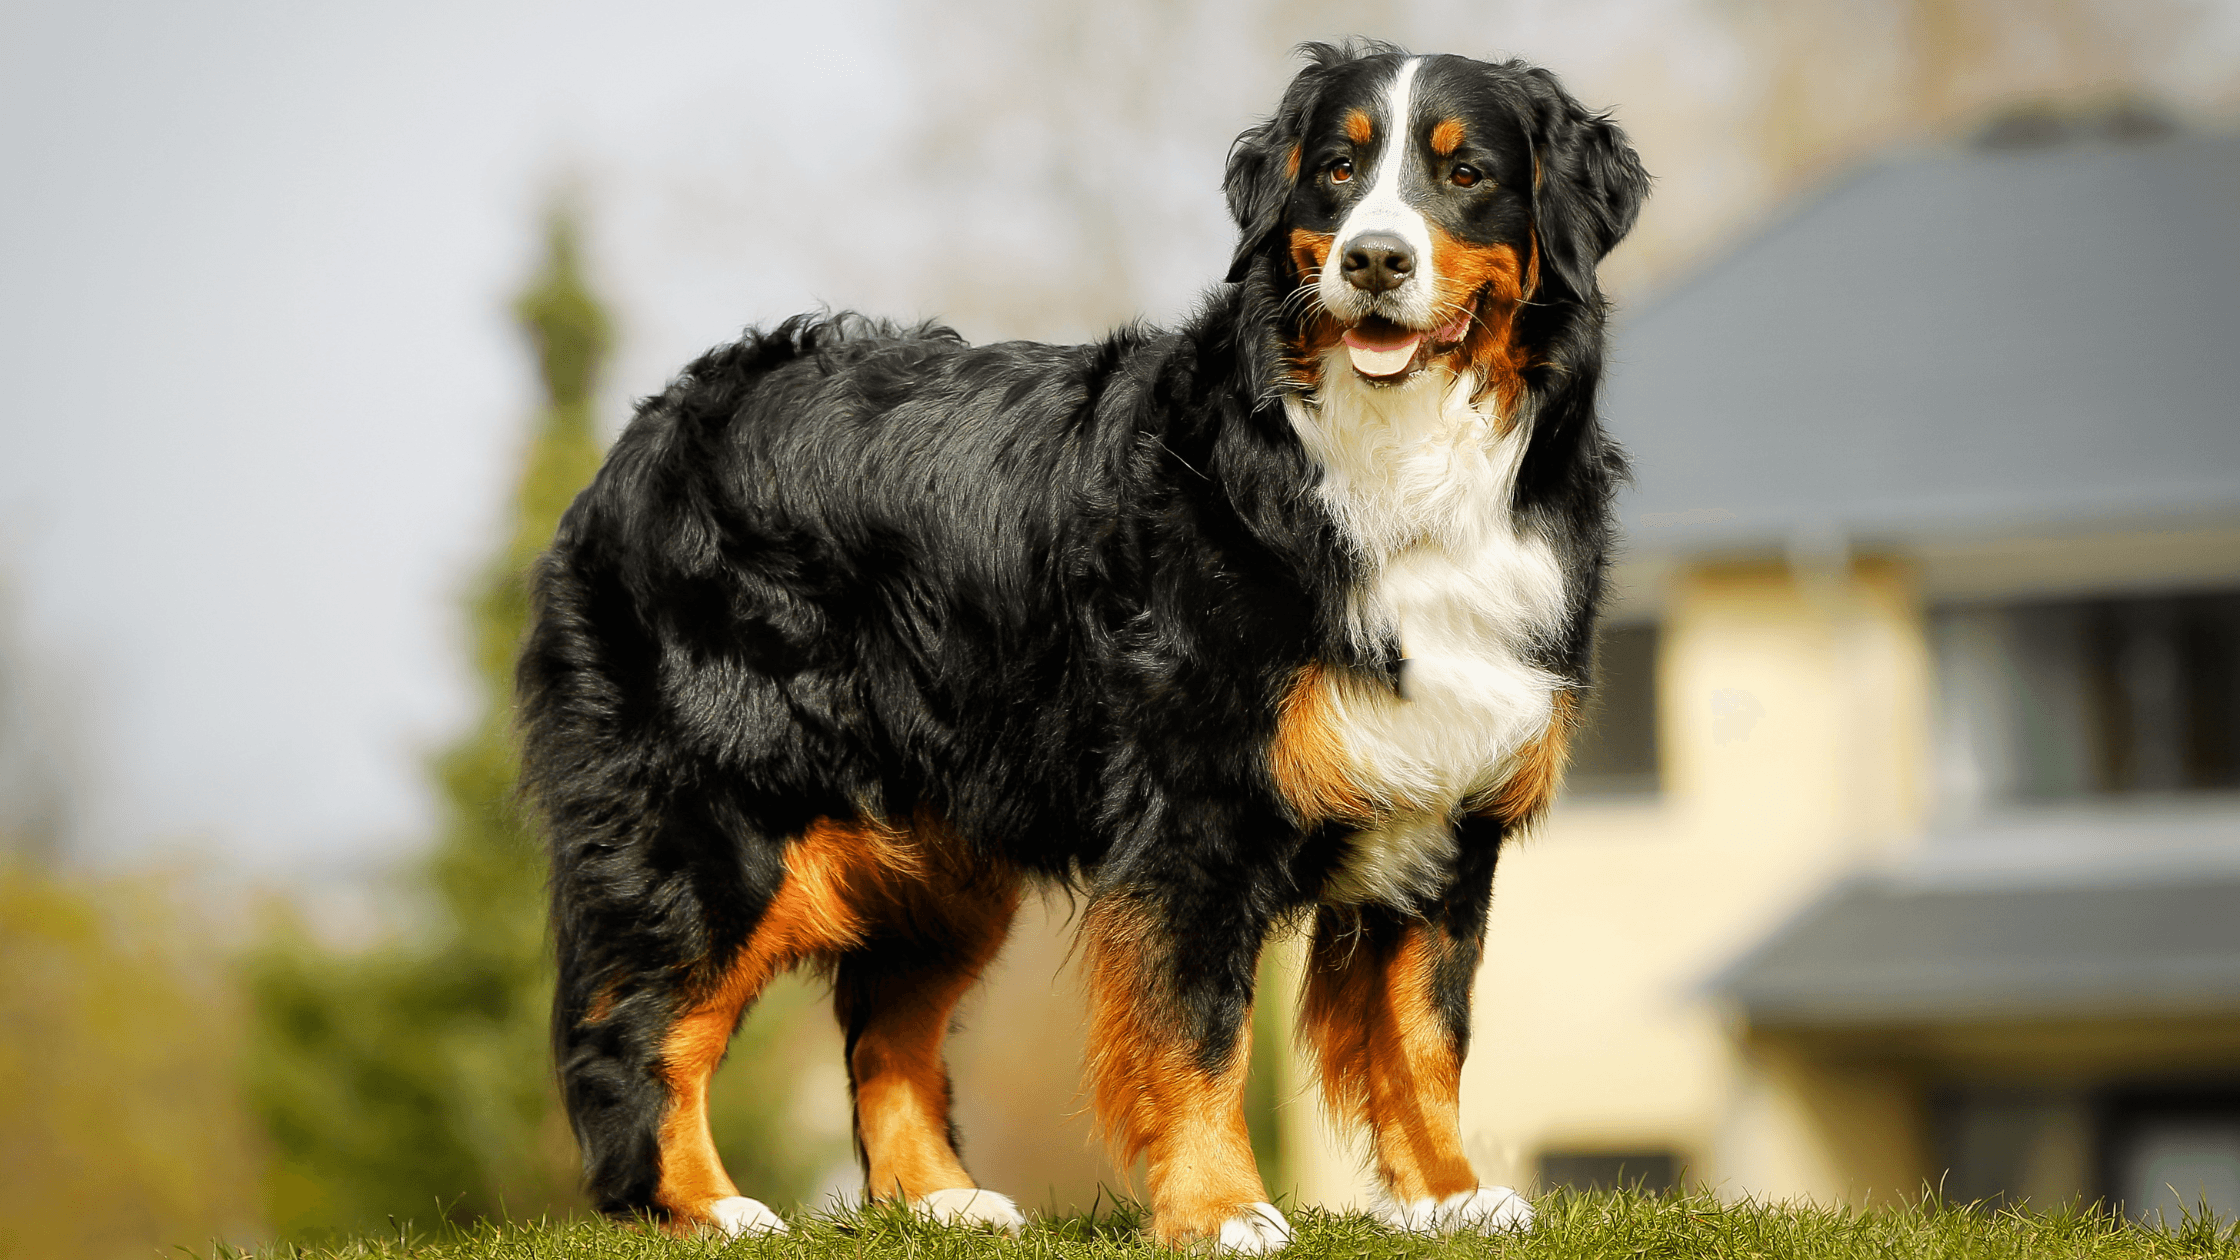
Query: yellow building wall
x,y
1794,711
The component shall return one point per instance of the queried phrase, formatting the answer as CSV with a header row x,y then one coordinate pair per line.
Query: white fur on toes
x,y
1486,1208
1259,1230
969,1206
1416,1216
738,1217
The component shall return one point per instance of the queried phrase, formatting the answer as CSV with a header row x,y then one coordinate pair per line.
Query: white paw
x,y
738,1217
1416,1216
968,1206
1259,1230
1486,1208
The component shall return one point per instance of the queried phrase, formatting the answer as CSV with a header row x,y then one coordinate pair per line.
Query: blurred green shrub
x,y
121,1125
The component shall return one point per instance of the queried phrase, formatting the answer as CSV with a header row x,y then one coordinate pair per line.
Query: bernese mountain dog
x,y
1282,616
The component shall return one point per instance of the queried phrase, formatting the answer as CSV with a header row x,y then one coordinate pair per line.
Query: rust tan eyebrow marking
x,y
1358,127
1447,136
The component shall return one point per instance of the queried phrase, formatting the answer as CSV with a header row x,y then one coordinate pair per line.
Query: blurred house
x,y
1906,849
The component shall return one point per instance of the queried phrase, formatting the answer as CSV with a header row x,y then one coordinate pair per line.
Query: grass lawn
x,y
1573,1226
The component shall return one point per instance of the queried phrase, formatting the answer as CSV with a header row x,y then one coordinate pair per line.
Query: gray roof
x,y
1884,952
1954,344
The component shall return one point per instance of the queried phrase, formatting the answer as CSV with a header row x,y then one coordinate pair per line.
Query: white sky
x,y
259,392
261,397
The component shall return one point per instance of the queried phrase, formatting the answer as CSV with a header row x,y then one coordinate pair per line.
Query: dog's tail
x,y
605,1016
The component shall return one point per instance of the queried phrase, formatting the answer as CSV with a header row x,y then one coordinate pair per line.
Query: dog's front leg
x,y
1170,976
1387,1017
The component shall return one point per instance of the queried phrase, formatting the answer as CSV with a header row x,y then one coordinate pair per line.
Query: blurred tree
x,y
121,1124
415,1078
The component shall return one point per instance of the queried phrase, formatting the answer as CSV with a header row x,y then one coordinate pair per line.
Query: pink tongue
x,y
1375,356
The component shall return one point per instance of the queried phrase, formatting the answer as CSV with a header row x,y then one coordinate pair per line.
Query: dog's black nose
x,y
1377,262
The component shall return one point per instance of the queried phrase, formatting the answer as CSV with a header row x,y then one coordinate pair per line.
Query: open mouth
x,y
1383,350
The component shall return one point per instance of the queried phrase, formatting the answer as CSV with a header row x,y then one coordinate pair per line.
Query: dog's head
x,y
1423,199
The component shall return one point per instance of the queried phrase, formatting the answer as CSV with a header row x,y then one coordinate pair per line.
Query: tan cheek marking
x,y
1307,759
1152,1096
1494,277
832,871
1291,164
1358,127
1538,772
1447,136
1315,332
1309,250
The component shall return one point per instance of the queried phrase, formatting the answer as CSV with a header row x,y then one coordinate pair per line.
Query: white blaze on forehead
x,y
1381,209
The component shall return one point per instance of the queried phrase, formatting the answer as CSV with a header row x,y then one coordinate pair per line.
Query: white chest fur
x,y
1421,483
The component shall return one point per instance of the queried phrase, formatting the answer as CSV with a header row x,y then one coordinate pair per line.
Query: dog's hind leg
x,y
642,1026
894,996
693,1187
1387,1016
1170,992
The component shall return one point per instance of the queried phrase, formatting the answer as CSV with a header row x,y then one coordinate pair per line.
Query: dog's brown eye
x,y
1465,176
1341,171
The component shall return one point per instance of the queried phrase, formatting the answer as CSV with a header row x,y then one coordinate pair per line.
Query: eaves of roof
x,y
1949,345
1880,953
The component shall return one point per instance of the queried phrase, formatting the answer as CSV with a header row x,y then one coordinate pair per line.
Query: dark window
x,y
1652,1171
1616,751
2002,1146
2166,1152
2164,1149
2079,697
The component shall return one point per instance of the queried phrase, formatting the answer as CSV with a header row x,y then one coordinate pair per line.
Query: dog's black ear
x,y
1588,183
1264,161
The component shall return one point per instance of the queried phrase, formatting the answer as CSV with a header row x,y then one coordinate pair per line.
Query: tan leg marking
x,y
830,870
1152,1096
902,1083
1386,1057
